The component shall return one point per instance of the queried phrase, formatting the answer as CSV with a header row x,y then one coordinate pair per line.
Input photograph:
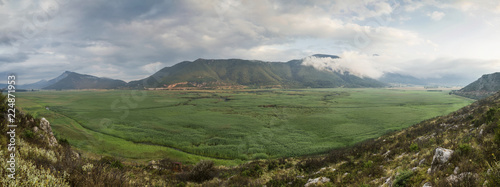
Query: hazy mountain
x,y
485,86
398,79
72,80
444,80
220,73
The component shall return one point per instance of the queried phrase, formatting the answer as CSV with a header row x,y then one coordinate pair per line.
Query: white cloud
x,y
436,15
152,67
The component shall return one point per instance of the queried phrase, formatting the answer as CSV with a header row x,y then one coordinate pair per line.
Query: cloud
x,y
132,38
436,16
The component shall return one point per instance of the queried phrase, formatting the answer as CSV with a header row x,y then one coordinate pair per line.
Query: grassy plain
x,y
233,125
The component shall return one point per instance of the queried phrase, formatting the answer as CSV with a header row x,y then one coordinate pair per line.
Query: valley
x,y
230,126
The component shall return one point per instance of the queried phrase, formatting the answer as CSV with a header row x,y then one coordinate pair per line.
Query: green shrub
x,y
414,147
28,134
464,149
402,178
368,164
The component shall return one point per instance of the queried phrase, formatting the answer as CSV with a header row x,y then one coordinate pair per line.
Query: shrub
x,y
252,170
402,178
310,164
113,162
497,136
203,171
28,134
464,149
272,164
414,147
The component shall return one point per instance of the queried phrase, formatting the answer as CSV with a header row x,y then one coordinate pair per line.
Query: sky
x,y
130,40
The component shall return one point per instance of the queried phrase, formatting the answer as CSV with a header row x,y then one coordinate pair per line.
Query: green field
x,y
230,126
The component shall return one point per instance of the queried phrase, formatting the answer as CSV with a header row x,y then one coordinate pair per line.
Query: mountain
x,y
399,79
72,80
485,86
405,80
238,73
44,83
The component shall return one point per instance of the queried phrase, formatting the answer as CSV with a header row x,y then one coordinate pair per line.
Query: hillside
x,y
460,149
485,86
237,73
72,80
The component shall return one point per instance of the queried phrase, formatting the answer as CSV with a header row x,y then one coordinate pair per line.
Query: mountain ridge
x,y
485,86
216,73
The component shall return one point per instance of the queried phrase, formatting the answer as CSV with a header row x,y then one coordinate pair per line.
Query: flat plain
x,y
230,126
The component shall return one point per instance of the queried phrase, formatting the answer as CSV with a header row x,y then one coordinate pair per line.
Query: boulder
x,y
317,181
441,157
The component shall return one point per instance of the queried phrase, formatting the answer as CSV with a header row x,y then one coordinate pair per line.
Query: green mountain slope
x,y
210,73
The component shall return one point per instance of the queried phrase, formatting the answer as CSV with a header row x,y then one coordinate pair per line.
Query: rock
x,y
427,184
45,127
441,157
415,169
456,170
35,129
454,179
317,181
153,164
485,183
421,162
76,155
386,153
388,181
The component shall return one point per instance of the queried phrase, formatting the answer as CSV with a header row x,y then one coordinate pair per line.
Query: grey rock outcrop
x,y
46,132
441,157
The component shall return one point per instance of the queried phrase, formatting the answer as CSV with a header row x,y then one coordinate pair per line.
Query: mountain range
x,y
227,73
316,71
216,73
